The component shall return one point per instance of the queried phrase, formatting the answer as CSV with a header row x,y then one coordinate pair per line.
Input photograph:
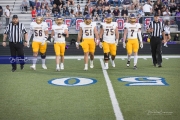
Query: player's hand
x,y
116,42
4,44
141,44
44,41
100,45
77,45
97,42
124,44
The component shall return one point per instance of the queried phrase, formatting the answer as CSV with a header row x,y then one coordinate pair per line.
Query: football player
x,y
59,32
109,37
131,30
87,31
39,44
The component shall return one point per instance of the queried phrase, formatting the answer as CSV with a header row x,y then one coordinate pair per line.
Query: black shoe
x,y
135,67
159,65
128,63
22,67
13,70
154,65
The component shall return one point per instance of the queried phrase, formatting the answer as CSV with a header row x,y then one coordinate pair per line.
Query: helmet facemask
x,y
59,21
39,20
108,20
87,21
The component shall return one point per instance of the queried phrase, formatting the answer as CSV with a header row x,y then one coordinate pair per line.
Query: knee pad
x,y
43,55
106,56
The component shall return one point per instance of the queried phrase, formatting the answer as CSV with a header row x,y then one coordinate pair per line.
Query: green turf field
x,y
87,95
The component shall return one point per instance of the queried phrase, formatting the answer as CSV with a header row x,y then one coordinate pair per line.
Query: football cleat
x,y
105,67
135,67
128,63
57,69
159,65
85,68
44,66
33,67
62,66
91,65
112,63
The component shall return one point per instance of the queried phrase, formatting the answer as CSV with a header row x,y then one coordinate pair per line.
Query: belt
x,y
155,37
15,42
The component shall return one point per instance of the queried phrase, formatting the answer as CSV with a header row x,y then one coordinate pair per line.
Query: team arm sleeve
x,y
30,32
125,25
24,29
140,35
45,27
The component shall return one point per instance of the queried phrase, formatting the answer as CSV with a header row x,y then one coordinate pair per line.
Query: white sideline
x,y
119,56
115,104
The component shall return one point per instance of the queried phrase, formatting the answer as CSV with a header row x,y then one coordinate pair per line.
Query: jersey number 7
x,y
132,31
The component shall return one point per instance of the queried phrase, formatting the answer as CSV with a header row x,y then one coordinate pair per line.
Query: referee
x,y
16,31
156,29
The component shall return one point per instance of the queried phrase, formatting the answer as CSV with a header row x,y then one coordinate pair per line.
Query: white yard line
x,y
112,95
117,57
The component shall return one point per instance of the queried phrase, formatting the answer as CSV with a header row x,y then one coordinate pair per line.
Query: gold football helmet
x,y
39,19
87,19
108,18
132,18
59,20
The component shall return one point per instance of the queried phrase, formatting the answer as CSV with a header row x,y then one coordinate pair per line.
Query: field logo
x,y
72,81
144,81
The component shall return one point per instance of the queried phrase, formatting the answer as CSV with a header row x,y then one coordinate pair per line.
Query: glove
x,y
141,44
97,42
44,41
100,45
64,34
124,44
116,42
77,45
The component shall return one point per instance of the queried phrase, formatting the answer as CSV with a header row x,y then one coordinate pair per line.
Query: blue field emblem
x,y
144,81
76,81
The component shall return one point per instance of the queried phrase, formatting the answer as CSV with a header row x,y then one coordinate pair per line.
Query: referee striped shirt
x,y
15,32
158,28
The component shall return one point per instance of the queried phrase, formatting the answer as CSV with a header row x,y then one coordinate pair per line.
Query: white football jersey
x,y
132,30
88,30
167,29
58,30
38,30
109,32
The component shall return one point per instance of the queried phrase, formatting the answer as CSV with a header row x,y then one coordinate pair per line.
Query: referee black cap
x,y
15,16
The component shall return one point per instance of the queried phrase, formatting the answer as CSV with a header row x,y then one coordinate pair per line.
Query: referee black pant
x,y
156,50
17,52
